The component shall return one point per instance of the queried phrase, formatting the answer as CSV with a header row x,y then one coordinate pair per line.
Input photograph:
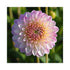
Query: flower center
x,y
35,31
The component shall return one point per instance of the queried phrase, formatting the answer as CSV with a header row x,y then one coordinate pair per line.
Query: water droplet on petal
x,y
24,39
21,33
20,39
20,25
24,34
22,29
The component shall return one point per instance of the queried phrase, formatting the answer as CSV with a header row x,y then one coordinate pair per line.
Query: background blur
x,y
15,56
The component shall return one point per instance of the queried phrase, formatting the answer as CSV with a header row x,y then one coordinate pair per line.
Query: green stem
x,y
39,8
19,11
37,59
46,58
10,12
46,10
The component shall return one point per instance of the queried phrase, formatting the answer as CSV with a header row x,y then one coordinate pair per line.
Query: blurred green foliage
x,y
56,54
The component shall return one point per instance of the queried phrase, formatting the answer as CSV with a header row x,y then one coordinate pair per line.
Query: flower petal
x,y
28,51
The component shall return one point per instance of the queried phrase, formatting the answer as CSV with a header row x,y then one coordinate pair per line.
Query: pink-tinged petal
x,y
50,45
25,18
36,14
53,39
33,15
54,34
25,15
56,29
38,55
47,51
43,18
39,15
49,18
53,23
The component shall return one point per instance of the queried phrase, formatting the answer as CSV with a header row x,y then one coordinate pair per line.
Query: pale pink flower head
x,y
34,33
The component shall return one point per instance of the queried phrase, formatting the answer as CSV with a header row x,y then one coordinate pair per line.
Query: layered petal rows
x,y
34,33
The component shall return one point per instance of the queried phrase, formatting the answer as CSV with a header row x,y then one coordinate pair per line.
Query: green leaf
x,y
43,59
58,58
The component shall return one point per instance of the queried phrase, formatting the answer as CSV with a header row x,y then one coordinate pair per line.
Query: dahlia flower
x,y
34,33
